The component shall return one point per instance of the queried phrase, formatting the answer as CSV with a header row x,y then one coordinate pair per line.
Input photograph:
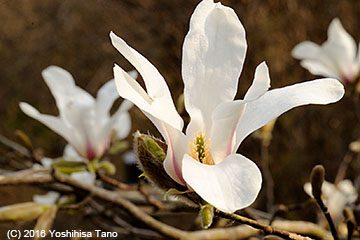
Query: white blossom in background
x,y
336,197
49,198
337,57
204,157
83,121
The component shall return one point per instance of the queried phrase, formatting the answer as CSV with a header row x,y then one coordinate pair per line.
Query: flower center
x,y
200,149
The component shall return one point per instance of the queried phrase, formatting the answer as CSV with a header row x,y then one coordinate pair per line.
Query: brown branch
x,y
127,205
343,168
265,228
27,177
327,215
15,146
239,232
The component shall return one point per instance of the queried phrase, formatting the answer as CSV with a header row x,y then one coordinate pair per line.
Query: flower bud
x,y
151,153
317,178
45,221
207,215
22,211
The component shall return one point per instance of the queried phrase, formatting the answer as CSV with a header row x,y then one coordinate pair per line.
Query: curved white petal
x,y
54,123
316,60
177,146
213,55
318,68
70,154
275,102
63,88
339,39
260,84
121,121
106,96
230,185
226,118
157,98
161,107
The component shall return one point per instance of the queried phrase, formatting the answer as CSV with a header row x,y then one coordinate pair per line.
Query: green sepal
x,y
174,192
64,163
154,148
69,170
107,166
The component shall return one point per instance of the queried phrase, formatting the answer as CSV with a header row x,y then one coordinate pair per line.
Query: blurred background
x,y
75,36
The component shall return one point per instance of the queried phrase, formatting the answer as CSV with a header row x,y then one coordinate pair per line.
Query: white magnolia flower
x,y
336,197
204,157
83,121
336,58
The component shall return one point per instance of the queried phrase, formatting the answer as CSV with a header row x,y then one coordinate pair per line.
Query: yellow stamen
x,y
200,149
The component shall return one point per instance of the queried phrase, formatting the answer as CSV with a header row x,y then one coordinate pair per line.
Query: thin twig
x,y
15,146
116,183
343,168
265,228
157,204
327,215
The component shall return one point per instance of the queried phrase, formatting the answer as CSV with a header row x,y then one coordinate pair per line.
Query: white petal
x,y
318,68
307,189
177,146
160,107
341,42
226,117
157,97
49,198
106,96
230,185
316,60
54,123
213,55
84,177
347,188
275,102
70,154
261,82
63,88
121,121
46,162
